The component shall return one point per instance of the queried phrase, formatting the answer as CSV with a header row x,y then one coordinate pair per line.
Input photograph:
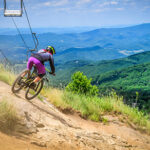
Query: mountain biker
x,y
38,60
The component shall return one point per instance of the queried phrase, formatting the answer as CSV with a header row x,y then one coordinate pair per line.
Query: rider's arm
x,y
51,62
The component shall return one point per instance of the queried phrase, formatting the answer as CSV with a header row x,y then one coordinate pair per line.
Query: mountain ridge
x,y
119,42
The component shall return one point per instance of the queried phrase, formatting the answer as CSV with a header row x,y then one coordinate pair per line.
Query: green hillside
x,y
93,69
127,76
133,83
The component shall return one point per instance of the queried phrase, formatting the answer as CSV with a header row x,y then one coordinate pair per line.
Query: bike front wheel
x,y
33,92
19,82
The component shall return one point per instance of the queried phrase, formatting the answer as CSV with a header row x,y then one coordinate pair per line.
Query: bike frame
x,y
34,74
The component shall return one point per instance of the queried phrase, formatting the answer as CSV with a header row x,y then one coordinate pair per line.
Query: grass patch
x,y
6,76
94,108
8,116
54,96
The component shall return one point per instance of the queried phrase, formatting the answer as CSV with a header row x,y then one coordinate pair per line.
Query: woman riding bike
x,y
38,60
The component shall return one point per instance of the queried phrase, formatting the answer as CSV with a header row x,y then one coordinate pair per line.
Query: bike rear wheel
x,y
19,82
32,93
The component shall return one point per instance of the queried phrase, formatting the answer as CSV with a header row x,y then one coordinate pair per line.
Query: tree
x,y
82,85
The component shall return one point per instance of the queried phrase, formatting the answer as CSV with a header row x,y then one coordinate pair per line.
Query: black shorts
x,y
41,75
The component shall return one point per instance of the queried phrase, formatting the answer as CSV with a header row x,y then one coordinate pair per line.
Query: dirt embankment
x,y
44,127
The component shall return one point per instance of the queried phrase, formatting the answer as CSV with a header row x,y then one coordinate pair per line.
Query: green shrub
x,y
80,84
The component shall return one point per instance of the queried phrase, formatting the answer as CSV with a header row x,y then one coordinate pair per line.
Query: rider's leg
x,y
41,71
39,77
27,71
29,67
40,68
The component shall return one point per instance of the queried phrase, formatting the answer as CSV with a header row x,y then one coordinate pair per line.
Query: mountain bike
x,y
26,81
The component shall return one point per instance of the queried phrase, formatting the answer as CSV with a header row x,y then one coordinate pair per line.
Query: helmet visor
x,y
52,49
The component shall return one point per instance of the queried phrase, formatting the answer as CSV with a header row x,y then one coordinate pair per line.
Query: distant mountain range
x,y
13,31
127,76
100,54
127,39
95,53
93,69
99,44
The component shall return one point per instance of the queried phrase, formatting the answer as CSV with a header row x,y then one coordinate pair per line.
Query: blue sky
x,y
72,13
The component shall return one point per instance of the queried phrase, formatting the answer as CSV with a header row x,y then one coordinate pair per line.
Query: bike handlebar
x,y
50,72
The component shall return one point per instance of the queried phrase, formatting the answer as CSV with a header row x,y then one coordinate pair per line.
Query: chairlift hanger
x,y
36,41
13,13
18,13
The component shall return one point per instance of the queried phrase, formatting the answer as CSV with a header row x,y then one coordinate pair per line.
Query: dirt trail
x,y
44,127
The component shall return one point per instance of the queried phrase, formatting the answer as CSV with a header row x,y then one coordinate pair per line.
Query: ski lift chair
x,y
13,13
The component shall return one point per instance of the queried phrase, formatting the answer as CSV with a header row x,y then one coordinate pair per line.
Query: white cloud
x,y
83,1
47,4
80,3
133,3
98,10
61,3
128,52
113,3
63,10
13,0
108,3
138,51
145,8
104,4
120,9
129,2
77,5
55,3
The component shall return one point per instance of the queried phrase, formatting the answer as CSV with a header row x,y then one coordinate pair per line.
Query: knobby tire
x,y
16,82
29,96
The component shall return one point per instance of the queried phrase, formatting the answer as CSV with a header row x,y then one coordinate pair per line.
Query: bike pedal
x,y
32,85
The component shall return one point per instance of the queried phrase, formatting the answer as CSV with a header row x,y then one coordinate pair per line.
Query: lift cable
x,y
20,33
8,15
11,13
33,34
6,59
